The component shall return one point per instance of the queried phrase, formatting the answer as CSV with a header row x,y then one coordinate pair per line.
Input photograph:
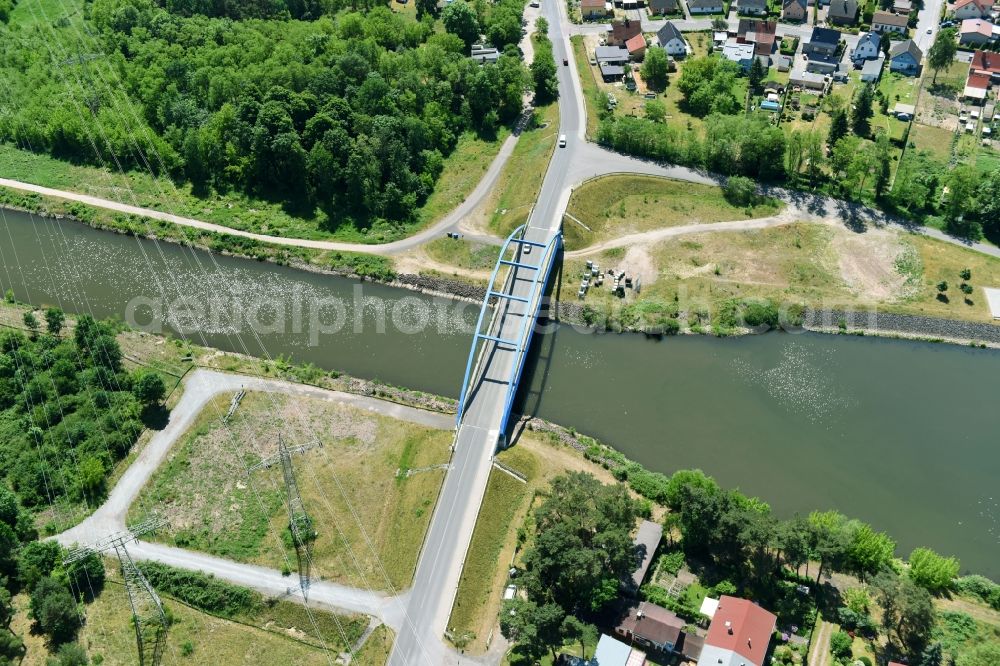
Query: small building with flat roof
x,y
647,540
993,299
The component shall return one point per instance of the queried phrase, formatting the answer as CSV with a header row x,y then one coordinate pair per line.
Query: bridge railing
x,y
541,274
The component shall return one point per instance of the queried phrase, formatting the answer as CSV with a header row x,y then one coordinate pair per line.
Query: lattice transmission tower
x,y
299,522
147,611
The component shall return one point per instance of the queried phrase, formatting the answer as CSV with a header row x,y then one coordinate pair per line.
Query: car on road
x,y
930,30
562,140
565,61
534,4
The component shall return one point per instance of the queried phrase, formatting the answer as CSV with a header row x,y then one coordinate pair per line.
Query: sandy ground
x,y
867,263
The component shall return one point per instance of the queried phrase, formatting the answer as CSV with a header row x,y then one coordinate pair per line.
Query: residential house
x,y
621,31
972,9
593,9
752,7
868,48
672,40
794,10
652,627
663,7
872,70
807,80
904,57
976,87
822,64
740,53
484,54
985,62
842,12
705,6
636,47
760,33
823,41
888,22
610,652
975,32
739,634
903,7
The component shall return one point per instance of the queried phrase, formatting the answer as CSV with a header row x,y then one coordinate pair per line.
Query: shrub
x,y
932,571
740,191
840,645
201,591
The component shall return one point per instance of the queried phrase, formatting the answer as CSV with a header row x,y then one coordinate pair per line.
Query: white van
x,y
562,140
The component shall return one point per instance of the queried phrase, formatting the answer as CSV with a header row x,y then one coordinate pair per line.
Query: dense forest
x,y
352,112
68,409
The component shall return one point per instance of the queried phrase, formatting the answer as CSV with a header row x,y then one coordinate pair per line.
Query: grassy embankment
x,y
511,201
495,541
370,521
616,206
462,170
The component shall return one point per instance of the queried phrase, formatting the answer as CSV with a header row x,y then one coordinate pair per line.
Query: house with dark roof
x,y
822,42
740,633
671,40
794,10
705,6
888,22
663,7
652,627
972,9
759,33
752,7
868,48
904,57
842,12
622,31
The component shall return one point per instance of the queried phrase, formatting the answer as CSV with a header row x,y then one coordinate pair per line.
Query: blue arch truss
x,y
515,246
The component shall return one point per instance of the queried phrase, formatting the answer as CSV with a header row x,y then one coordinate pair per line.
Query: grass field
x,y
935,140
462,253
462,171
802,263
495,539
588,83
370,522
519,183
614,206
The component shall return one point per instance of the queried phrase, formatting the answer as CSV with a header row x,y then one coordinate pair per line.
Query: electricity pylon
x,y
147,610
299,522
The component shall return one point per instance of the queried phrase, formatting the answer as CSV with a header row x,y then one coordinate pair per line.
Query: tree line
x,y
69,410
352,113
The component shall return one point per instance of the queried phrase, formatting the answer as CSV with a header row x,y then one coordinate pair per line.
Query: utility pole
x,y
147,611
299,522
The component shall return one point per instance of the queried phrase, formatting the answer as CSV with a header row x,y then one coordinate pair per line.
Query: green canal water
x,y
905,435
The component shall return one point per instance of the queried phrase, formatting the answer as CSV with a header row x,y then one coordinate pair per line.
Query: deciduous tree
x,y
655,67
931,571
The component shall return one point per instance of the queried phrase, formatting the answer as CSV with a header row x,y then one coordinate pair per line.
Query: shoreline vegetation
x,y
374,268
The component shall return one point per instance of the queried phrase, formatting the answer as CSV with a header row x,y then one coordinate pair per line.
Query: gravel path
x,y
199,388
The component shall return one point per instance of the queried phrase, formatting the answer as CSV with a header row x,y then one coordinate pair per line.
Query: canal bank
x,y
891,432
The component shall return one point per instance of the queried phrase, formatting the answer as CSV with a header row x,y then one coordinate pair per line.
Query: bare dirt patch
x,y
867,263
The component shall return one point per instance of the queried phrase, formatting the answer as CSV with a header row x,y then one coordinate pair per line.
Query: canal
x,y
900,434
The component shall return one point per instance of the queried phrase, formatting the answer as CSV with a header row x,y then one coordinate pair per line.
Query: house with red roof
x,y
739,634
620,32
969,9
985,62
636,46
976,88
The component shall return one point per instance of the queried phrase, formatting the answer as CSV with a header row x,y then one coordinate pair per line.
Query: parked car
x,y
510,592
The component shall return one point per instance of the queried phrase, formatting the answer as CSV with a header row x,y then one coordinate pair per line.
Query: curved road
x,y
201,386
